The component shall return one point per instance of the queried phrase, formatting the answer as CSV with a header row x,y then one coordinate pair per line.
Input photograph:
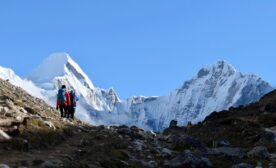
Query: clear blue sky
x,y
140,47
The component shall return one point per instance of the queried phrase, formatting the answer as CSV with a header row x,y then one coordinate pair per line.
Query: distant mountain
x,y
214,88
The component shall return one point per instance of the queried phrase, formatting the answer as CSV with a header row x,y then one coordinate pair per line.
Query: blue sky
x,y
141,47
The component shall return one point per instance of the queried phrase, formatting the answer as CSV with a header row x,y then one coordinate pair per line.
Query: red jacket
x,y
65,103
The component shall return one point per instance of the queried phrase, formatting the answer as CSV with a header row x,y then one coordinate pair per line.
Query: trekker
x,y
72,109
63,101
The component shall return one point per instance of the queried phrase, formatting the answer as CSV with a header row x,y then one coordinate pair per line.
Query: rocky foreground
x,y
33,135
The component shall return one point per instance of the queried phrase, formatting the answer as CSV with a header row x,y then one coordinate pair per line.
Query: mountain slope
x,y
245,134
30,87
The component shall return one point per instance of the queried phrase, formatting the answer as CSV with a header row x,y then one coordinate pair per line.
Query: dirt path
x,y
56,155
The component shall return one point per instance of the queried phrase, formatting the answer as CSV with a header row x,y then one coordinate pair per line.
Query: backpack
x,y
61,95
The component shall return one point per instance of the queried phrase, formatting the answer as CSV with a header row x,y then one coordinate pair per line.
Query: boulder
x,y
50,124
3,110
242,165
227,152
222,143
84,142
166,152
259,152
47,164
186,142
173,124
150,164
139,145
4,136
137,133
259,165
4,166
124,130
188,159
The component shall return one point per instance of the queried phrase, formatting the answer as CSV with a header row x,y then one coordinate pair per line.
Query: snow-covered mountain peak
x,y
220,68
51,67
59,65
223,67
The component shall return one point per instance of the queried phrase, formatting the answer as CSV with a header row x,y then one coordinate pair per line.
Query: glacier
x,y
214,88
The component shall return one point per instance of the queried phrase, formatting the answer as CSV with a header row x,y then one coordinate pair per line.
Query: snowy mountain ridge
x,y
214,88
59,64
30,87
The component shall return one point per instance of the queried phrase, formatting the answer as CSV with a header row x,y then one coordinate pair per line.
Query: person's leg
x,y
67,111
73,112
61,109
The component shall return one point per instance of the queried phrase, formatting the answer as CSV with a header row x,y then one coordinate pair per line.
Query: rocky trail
x,y
49,157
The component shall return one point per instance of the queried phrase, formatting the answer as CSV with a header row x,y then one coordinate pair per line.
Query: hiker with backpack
x,y
63,101
72,109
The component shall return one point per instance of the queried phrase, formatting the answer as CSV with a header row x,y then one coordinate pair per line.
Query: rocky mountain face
x,y
214,88
33,135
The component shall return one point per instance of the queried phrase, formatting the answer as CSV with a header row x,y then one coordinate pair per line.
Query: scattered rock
x,y
124,130
166,152
186,142
19,118
3,110
84,142
259,152
259,165
173,124
24,163
242,165
188,159
139,145
101,127
221,143
50,124
47,164
4,166
37,162
26,146
227,152
150,164
4,136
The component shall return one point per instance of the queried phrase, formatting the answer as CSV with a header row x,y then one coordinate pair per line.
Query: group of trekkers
x,y
66,102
